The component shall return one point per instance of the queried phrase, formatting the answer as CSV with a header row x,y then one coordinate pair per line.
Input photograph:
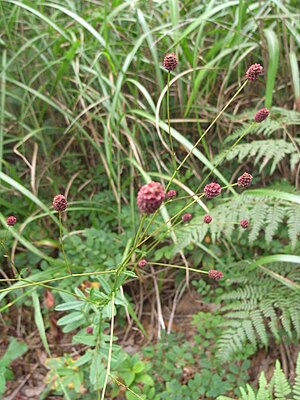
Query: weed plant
x,y
101,122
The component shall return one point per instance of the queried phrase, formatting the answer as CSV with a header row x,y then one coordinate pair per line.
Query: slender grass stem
x,y
126,387
179,267
58,279
62,245
205,132
225,154
110,345
169,123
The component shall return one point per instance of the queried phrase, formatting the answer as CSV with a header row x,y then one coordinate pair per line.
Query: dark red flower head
x,y
244,223
212,190
150,197
89,330
171,194
261,115
143,263
254,71
59,203
207,219
244,180
186,217
215,274
11,220
170,61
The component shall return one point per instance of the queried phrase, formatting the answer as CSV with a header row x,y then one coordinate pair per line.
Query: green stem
x,y
62,245
58,279
126,387
169,123
179,267
110,345
225,154
205,132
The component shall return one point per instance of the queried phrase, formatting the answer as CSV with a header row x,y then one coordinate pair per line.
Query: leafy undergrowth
x,y
89,109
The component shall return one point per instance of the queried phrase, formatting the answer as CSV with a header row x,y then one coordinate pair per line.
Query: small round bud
x,y
215,274
11,220
143,263
261,115
186,217
171,194
254,71
207,219
89,330
59,203
244,180
212,190
170,61
244,223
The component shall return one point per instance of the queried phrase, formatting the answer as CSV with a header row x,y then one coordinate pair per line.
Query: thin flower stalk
x,y
205,132
110,345
169,123
62,245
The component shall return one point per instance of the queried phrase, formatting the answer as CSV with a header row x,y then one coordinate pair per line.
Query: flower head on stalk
x,y
60,203
11,220
254,71
150,197
170,61
244,180
261,115
212,190
215,274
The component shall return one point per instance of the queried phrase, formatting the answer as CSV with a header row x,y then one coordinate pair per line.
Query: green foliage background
x,y
83,112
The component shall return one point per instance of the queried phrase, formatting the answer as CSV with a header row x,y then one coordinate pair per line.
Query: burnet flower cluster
x,y
152,195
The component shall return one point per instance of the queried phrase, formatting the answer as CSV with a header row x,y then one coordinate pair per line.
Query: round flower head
x,y
254,71
143,263
186,217
207,219
215,274
150,197
261,115
171,194
59,203
89,330
212,190
244,180
11,220
170,61
244,223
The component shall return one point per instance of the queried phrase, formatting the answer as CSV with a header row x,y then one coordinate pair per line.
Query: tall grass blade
x,y
273,49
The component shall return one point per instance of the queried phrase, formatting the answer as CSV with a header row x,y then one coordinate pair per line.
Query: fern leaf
x,y
274,217
263,392
281,385
294,224
296,387
258,215
259,325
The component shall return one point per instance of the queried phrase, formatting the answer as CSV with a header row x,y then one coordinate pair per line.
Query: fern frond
x,y
258,215
294,224
281,119
250,395
281,385
261,308
274,217
263,151
265,215
263,391
296,387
